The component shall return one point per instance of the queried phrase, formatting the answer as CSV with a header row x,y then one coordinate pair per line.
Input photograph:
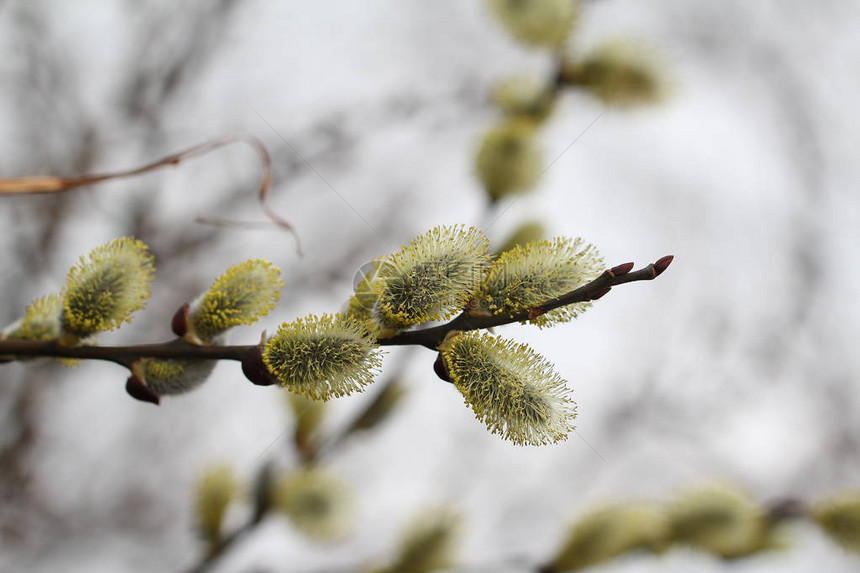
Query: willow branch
x,y
432,337
427,337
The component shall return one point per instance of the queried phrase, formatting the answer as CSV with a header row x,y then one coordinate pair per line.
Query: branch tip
x,y
662,264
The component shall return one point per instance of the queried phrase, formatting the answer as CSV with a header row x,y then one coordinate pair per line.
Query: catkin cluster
x,y
450,270
444,272
102,291
719,519
618,73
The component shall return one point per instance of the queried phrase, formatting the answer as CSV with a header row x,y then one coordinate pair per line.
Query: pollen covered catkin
x,y
40,323
241,295
105,288
512,389
323,357
528,275
431,278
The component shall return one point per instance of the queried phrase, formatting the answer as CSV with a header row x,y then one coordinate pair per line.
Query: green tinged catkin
x,y
323,357
526,276
317,504
611,531
513,390
241,295
538,23
166,377
105,288
620,74
40,323
214,492
430,278
509,160
430,543
839,517
720,519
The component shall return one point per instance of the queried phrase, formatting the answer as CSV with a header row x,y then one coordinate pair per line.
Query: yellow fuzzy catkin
x,y
106,287
540,23
241,295
840,519
509,160
214,491
429,543
513,390
611,531
525,98
316,503
430,278
165,377
720,519
620,74
528,275
40,323
323,357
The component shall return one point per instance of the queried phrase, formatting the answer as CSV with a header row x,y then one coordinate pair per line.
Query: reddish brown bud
x,y
138,391
179,324
536,312
662,264
601,292
621,269
255,370
440,369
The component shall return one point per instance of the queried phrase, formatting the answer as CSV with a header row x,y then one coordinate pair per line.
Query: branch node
x,y
255,370
179,324
536,312
440,369
138,391
600,293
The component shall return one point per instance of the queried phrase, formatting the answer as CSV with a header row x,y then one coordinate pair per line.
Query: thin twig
x,y
41,184
221,548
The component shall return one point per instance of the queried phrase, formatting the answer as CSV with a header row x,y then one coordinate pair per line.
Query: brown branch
x,y
427,337
176,349
41,184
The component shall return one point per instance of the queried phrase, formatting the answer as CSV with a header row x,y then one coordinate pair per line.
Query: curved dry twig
x,y
42,184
